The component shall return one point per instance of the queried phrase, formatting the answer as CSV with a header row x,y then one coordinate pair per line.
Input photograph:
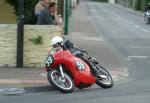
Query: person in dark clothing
x,y
47,15
52,10
45,18
147,7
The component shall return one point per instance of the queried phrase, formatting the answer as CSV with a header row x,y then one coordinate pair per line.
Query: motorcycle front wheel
x,y
65,86
104,79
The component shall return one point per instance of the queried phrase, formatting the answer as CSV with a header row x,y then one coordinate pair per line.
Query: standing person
x,y
41,5
53,11
47,15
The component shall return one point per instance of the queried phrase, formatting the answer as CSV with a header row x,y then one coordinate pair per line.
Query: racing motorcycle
x,y
70,67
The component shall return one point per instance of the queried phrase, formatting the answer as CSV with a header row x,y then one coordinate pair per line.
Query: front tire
x,y
106,82
54,78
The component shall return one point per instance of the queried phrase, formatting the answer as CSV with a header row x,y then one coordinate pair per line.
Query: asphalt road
x,y
130,36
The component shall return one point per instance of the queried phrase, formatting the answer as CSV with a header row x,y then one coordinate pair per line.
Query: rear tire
x,y
54,78
107,82
147,20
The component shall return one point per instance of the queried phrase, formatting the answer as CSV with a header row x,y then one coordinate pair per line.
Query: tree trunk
x,y
136,4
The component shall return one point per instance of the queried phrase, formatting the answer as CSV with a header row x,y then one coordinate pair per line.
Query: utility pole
x,y
20,34
66,16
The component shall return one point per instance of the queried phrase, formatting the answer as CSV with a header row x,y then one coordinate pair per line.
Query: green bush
x,y
37,41
28,8
140,4
143,4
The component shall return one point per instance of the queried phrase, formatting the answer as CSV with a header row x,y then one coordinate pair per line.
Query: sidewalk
x,y
23,80
83,33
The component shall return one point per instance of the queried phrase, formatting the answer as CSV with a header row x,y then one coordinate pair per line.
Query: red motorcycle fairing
x,y
68,61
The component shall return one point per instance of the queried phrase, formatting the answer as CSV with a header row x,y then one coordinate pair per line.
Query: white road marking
x,y
136,26
137,57
145,30
139,47
128,58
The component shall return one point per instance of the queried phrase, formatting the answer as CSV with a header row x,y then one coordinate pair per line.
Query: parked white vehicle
x,y
147,17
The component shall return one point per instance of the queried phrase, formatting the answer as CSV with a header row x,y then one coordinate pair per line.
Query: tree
x,y
140,4
28,8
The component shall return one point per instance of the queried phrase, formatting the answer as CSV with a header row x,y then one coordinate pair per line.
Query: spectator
x,y
53,10
41,5
47,16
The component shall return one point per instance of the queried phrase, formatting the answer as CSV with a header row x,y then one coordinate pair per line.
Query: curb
x,y
33,88
17,91
140,13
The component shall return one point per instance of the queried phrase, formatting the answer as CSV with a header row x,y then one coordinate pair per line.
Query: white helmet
x,y
55,40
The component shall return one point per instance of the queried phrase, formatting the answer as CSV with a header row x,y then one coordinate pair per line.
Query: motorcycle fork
x,y
93,67
61,72
96,72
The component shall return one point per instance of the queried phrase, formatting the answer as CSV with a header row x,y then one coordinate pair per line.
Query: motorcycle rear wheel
x,y
54,78
106,82
147,20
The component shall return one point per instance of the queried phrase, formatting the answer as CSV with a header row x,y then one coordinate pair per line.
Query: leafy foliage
x,y
28,7
13,3
37,41
140,4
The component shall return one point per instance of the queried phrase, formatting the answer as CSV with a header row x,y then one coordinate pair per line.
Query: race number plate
x,y
49,61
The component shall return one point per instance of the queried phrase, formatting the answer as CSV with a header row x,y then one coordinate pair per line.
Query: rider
x,y
147,7
57,41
